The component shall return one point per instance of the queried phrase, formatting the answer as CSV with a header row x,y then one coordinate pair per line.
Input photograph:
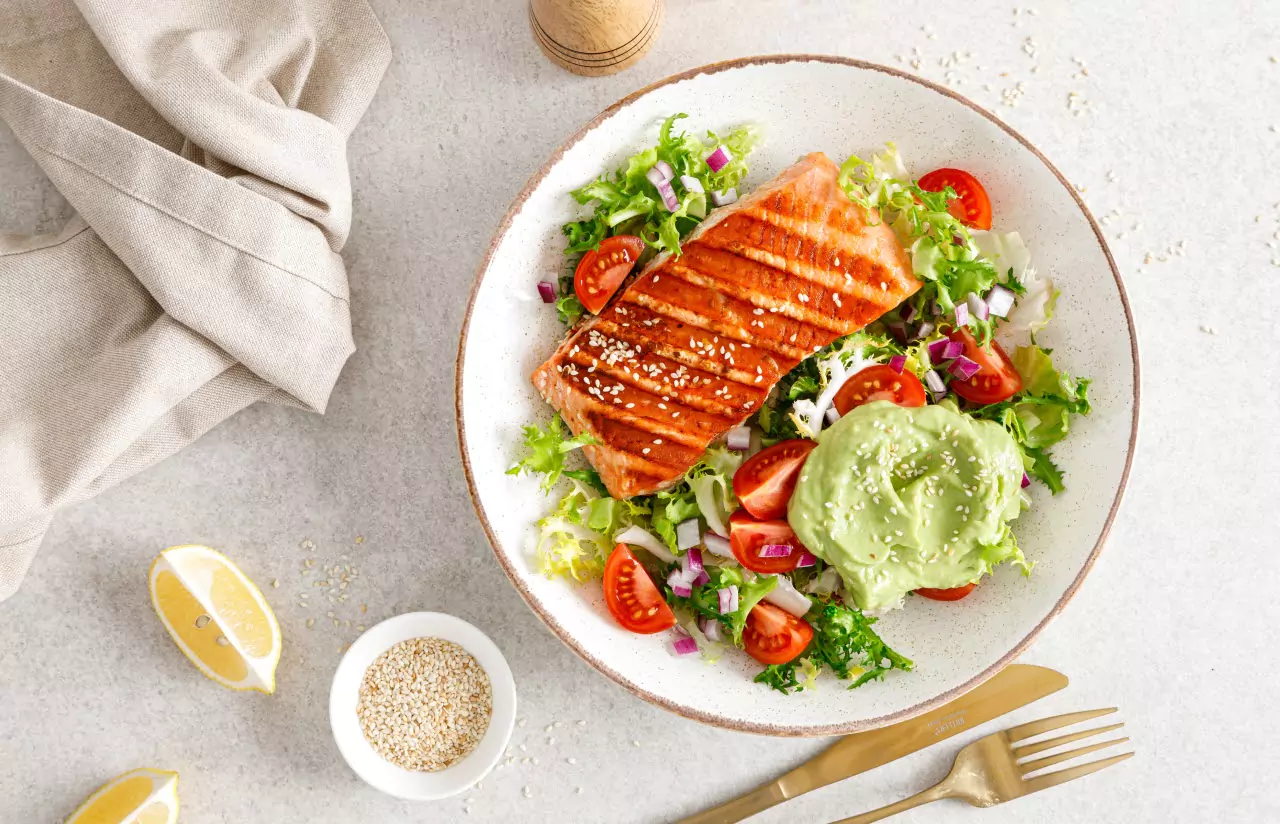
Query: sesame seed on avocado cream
x,y
899,499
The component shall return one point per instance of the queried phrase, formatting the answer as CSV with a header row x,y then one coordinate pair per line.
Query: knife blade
x,y
1015,686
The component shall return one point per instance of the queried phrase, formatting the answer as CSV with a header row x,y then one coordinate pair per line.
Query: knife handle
x,y
742,807
796,782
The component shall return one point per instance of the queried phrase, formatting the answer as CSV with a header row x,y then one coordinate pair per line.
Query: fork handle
x,y
932,794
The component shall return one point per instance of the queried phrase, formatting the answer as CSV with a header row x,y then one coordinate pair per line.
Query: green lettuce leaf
x,y
546,450
671,507
627,203
844,642
1040,415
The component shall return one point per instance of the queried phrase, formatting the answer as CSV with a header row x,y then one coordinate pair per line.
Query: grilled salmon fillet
x,y
691,345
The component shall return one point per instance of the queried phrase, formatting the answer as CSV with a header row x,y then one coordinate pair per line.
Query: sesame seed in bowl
x,y
422,706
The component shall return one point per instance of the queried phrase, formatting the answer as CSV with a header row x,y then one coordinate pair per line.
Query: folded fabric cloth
x,y
203,147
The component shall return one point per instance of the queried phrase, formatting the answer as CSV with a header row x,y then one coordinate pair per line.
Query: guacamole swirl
x,y
898,499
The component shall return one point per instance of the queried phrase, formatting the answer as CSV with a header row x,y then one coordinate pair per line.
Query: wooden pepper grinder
x,y
595,37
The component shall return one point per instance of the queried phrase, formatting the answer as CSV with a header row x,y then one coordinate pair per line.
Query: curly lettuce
x,y
844,642
1040,415
626,202
547,449
575,538
945,257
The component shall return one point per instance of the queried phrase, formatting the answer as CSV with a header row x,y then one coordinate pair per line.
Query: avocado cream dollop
x,y
898,499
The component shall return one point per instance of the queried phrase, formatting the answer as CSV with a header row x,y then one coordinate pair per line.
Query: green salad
x,y
889,465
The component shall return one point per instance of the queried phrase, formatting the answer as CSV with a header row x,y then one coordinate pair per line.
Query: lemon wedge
x,y
137,797
217,617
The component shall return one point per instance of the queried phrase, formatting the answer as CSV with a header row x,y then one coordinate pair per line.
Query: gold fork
x,y
988,772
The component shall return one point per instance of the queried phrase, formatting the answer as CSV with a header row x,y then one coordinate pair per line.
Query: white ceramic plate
x,y
344,696
807,103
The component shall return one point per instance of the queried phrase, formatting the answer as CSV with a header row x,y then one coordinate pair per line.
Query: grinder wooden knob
x,y
595,37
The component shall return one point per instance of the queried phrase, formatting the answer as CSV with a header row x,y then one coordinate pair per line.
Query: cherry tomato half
x,y
953,594
601,271
748,537
996,379
972,207
765,482
773,635
879,383
629,593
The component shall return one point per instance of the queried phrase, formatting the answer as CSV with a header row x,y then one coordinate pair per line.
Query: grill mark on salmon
x,y
691,346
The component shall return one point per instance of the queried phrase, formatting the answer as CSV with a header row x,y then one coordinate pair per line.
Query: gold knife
x,y
1016,686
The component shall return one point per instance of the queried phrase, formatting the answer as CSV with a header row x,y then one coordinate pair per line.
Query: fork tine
x,y
1049,761
1023,731
1041,746
1043,782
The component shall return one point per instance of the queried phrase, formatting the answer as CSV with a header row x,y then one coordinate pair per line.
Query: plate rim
x,y
785,730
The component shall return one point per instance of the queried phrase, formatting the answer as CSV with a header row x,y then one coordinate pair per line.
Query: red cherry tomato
x,y
996,379
748,537
765,482
879,383
953,594
601,271
629,593
972,207
775,636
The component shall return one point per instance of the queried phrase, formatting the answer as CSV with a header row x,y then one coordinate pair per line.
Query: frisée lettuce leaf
x,y
844,642
547,449
627,202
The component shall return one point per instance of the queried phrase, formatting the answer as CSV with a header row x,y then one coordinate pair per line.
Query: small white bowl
x,y
345,694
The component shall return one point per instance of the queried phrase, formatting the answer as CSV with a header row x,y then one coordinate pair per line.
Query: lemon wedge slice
x,y
217,617
137,797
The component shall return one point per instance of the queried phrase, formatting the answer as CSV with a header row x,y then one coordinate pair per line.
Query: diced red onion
x,y
962,312
685,646
832,415
954,349
934,309
924,330
724,198
727,599
908,314
1026,480
718,159
938,350
897,362
703,578
977,306
679,584
1000,301
665,168
807,559
739,438
655,176
691,184
669,198
688,534
776,550
548,291
964,368
934,381
717,545
710,628
899,331
691,563
785,595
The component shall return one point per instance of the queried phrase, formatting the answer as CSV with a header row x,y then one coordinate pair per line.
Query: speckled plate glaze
x,y
807,103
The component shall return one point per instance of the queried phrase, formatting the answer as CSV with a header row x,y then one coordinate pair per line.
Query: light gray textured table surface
x,y
1177,624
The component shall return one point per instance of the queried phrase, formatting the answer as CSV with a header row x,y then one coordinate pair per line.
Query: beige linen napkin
x,y
203,145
